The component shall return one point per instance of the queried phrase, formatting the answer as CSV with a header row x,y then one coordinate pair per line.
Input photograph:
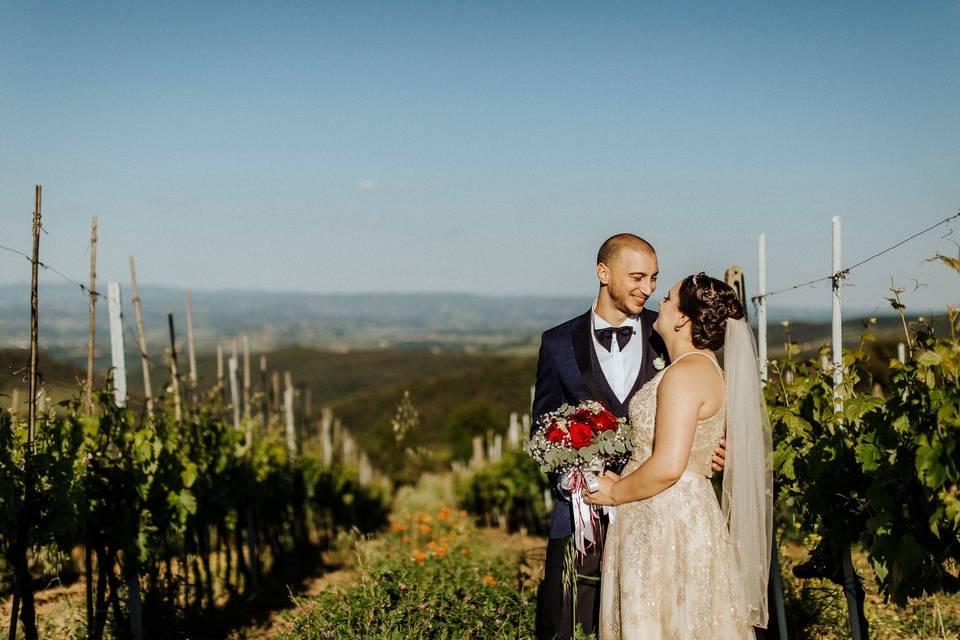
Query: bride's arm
x,y
679,398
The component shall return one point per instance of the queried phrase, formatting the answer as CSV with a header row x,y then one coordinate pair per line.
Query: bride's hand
x,y
601,496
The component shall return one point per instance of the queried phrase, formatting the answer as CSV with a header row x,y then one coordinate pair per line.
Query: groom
x,y
606,354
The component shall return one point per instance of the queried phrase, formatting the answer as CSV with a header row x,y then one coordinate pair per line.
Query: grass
x,y
817,608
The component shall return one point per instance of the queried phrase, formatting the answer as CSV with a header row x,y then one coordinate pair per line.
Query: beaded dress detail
x,y
667,571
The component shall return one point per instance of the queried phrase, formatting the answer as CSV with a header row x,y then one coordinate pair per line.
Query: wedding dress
x,y
668,568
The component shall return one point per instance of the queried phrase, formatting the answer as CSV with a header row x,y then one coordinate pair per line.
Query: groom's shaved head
x,y
614,244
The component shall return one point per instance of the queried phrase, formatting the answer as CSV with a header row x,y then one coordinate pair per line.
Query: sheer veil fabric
x,y
747,500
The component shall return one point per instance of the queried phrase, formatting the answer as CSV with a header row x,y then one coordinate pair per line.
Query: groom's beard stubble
x,y
625,303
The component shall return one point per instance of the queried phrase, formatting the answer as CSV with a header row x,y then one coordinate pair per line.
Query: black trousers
x,y
554,612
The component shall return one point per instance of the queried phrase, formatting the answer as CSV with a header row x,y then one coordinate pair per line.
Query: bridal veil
x,y
747,501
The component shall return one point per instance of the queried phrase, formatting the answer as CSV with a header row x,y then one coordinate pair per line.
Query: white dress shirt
x,y
620,368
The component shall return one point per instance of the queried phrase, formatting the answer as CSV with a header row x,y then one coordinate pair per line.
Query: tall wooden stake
x,y
837,320
246,376
118,358
220,370
265,399
190,349
93,314
174,370
34,316
288,412
326,435
234,391
852,587
776,582
276,400
144,359
23,600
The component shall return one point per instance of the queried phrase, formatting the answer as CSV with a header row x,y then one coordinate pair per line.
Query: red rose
x,y
580,435
604,421
581,415
554,433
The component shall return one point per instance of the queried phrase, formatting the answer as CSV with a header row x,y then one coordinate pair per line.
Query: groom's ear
x,y
603,273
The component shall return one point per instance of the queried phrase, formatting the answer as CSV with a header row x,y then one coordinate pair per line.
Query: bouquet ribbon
x,y
586,523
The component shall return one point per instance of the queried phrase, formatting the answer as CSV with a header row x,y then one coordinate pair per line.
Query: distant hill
x,y
811,335
333,376
492,390
60,378
275,320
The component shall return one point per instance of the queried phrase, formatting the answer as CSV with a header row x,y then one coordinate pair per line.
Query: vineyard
x,y
171,508
170,516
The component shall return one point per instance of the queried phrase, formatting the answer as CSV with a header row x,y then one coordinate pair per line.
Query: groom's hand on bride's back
x,y
720,455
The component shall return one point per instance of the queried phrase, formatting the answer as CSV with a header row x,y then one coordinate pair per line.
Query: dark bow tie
x,y
605,336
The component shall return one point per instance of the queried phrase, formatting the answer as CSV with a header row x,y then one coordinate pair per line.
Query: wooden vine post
x,y
93,314
144,359
288,413
23,608
118,357
852,588
191,352
174,370
775,589
88,405
234,391
246,377
264,393
34,319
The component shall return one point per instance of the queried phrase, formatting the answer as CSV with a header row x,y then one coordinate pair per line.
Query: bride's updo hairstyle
x,y
708,303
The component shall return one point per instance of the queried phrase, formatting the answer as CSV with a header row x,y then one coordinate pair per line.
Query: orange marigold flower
x,y
490,580
424,529
419,556
432,544
399,528
425,517
444,514
464,551
441,552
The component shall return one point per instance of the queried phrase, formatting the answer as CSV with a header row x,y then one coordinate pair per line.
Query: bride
x,y
676,564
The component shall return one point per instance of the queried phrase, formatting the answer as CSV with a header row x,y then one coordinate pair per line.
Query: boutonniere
x,y
659,363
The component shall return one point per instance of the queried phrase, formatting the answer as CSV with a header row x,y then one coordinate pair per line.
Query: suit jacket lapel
x,y
580,336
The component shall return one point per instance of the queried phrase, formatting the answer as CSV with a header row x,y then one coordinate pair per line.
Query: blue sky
x,y
480,147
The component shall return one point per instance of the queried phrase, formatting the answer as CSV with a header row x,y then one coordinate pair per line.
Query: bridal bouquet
x,y
577,443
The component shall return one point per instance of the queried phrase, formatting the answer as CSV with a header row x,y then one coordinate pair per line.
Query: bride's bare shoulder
x,y
689,375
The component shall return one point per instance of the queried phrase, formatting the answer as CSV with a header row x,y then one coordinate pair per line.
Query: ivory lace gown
x,y
667,569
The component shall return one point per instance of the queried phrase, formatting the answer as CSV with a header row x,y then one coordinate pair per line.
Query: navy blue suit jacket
x,y
568,372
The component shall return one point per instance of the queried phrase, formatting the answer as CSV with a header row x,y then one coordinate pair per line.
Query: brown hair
x,y
708,303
